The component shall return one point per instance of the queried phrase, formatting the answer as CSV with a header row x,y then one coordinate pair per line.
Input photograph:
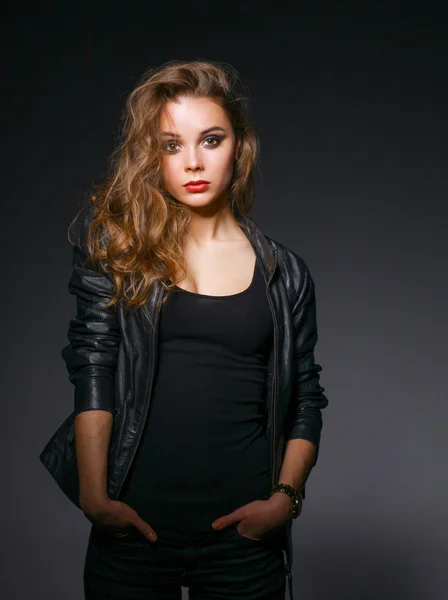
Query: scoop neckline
x,y
228,295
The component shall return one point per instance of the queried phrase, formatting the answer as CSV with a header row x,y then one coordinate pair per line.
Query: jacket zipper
x,y
287,567
289,576
274,385
143,420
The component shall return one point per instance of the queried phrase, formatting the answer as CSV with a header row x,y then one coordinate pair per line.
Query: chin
x,y
195,200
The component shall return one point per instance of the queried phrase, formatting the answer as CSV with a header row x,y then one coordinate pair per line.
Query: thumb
x,y
227,520
145,529
243,512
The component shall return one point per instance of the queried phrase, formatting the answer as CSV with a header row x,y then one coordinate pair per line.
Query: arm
x,y
92,436
91,358
303,436
94,336
299,459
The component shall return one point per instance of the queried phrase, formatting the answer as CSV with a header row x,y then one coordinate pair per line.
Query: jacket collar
x,y
260,244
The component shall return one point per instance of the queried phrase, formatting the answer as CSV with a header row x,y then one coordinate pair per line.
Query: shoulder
x,y
294,271
82,258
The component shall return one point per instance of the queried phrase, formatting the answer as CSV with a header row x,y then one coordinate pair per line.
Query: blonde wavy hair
x,y
136,229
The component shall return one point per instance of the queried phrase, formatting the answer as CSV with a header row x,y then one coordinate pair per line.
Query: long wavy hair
x,y
136,229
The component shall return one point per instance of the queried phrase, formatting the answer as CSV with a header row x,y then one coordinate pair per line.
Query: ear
x,y
237,147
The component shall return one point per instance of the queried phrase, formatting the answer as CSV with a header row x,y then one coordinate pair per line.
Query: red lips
x,y
196,182
195,187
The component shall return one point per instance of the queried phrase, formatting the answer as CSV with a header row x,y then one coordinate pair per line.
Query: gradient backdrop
x,y
349,101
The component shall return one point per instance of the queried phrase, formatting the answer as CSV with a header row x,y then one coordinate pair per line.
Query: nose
x,y
193,160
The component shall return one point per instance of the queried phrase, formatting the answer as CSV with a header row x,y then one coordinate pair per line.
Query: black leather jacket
x,y
111,360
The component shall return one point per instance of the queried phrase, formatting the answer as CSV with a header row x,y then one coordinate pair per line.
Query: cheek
x,y
224,165
170,170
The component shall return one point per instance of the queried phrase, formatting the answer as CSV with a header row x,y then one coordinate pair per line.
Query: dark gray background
x,y
349,102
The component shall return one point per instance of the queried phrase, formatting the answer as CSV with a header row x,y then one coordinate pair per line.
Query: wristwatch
x,y
293,494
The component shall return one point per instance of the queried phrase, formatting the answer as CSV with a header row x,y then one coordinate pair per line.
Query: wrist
x,y
93,504
283,501
294,496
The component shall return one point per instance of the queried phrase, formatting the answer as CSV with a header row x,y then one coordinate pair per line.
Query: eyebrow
x,y
214,128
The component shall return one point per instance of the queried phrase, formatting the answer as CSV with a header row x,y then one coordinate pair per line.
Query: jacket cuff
x,y
95,393
303,432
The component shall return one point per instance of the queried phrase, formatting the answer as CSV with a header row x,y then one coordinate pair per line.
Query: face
x,y
199,144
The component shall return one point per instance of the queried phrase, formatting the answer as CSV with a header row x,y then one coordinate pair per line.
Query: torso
x,y
225,268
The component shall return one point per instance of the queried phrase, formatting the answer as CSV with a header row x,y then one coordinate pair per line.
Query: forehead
x,y
192,114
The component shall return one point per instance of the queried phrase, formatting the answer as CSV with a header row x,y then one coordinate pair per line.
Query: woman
x,y
197,399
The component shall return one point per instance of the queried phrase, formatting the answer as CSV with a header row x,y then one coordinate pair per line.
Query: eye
x,y
168,146
215,140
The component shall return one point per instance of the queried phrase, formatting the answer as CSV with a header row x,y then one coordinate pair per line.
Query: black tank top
x,y
204,450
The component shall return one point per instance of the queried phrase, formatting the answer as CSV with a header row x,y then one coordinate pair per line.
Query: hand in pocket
x,y
115,516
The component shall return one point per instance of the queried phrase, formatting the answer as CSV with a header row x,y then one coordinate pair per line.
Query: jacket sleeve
x,y
94,338
308,396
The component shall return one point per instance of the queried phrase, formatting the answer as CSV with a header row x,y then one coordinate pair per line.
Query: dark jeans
x,y
233,568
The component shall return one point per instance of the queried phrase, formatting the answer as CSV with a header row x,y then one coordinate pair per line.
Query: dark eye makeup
x,y
217,139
